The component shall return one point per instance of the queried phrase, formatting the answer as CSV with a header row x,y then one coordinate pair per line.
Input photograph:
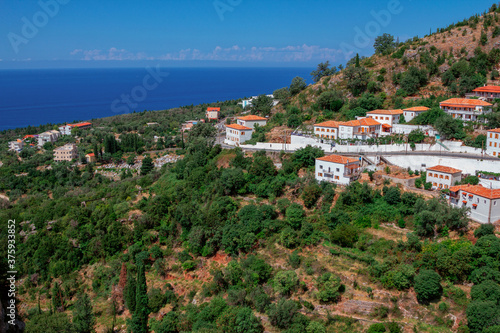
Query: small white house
x,y
443,177
413,112
251,121
466,109
327,130
387,117
493,142
337,169
212,114
237,134
49,136
484,203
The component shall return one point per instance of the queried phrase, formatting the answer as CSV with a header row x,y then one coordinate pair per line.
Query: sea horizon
x,y
40,96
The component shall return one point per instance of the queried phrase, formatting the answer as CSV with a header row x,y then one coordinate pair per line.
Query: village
x,y
350,150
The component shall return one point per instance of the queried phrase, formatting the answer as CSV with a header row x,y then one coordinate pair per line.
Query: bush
x,y
329,287
376,328
315,327
311,195
294,260
345,235
427,286
285,282
282,313
484,230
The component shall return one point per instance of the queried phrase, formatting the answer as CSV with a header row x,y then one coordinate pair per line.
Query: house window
x,y
338,169
321,167
447,177
337,177
320,174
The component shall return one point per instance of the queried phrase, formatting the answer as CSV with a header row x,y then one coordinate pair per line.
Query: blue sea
x,y
35,97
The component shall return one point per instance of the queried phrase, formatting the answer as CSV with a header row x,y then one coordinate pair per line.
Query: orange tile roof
x,y
28,136
239,127
464,101
492,89
496,130
478,190
445,169
91,154
360,122
251,118
213,109
389,112
80,124
329,123
338,159
417,108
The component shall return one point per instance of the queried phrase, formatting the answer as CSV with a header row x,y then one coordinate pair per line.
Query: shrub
x,y
345,235
285,282
294,260
376,328
484,230
427,286
282,313
311,195
329,287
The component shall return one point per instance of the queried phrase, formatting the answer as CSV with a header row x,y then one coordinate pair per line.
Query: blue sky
x,y
126,33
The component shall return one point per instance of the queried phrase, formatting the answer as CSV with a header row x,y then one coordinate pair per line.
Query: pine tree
x,y
129,293
147,165
57,300
83,315
357,60
141,313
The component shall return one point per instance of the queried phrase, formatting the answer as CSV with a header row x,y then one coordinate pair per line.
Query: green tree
x,y
331,100
323,70
139,322
315,327
384,44
484,230
449,127
329,287
285,282
310,195
427,286
416,136
282,95
147,165
282,313
376,328
357,79
129,293
295,215
83,315
246,322
298,84
263,105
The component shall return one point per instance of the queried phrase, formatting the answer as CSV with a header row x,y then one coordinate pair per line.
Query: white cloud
x,y
292,53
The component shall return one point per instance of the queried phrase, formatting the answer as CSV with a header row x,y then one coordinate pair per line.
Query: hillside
x,y
222,240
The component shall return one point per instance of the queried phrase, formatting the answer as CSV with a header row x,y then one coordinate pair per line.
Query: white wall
x,y
466,165
406,129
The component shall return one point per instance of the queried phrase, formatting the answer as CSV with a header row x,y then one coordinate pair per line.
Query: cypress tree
x,y
83,315
141,313
357,60
130,290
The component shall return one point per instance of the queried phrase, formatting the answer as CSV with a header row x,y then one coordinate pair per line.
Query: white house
x,y
465,109
248,102
68,152
493,142
327,130
237,134
251,121
49,136
212,114
387,117
66,129
362,129
484,203
411,113
443,177
337,169
16,145
489,93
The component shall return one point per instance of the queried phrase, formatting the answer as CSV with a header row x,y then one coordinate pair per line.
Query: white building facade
x,y
466,109
49,136
388,117
237,134
251,121
413,112
484,203
16,145
337,169
443,177
493,142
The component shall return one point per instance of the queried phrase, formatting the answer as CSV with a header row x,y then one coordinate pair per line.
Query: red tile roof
x,y
478,190
445,169
338,159
417,108
28,136
80,124
361,122
251,118
239,127
464,101
213,109
496,130
389,112
490,89
329,123
91,154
